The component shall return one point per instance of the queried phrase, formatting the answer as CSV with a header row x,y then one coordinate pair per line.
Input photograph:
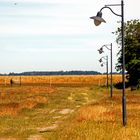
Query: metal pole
x,y
123,68
111,86
99,19
107,69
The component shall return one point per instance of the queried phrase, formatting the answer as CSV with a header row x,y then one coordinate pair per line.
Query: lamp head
x,y
100,60
98,19
100,50
102,65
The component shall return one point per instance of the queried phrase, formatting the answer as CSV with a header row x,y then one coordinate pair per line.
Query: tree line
x,y
132,51
32,73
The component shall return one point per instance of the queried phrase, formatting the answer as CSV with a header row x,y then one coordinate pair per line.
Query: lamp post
x,y
98,20
100,52
102,64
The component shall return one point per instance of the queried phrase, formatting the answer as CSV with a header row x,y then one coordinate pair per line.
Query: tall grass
x,y
26,110
65,79
102,120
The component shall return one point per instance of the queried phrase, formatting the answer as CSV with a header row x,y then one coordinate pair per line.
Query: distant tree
x,y
132,51
57,73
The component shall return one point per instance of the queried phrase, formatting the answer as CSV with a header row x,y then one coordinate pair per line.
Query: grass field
x,y
39,111
62,80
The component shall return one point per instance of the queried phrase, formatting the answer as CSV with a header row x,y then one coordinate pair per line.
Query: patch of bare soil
x,y
48,128
35,137
66,111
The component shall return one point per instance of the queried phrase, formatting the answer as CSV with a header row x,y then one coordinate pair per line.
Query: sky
x,y
53,35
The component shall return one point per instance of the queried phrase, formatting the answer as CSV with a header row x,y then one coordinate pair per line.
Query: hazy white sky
x,y
44,35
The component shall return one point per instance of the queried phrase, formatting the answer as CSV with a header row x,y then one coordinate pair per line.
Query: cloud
x,y
40,30
54,1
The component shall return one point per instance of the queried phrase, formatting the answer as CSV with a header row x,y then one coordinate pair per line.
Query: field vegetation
x,y
60,79
73,110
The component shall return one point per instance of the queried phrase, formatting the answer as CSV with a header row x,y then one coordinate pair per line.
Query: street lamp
x,y
100,52
98,20
102,64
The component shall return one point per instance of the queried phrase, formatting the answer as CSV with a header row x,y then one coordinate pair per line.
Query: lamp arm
x,y
110,10
104,63
106,47
104,57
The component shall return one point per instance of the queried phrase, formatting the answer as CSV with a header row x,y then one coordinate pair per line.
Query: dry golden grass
x,y
99,117
102,120
110,109
9,109
14,108
14,99
65,79
91,113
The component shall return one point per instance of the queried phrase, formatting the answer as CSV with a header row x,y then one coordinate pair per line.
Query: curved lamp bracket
x,y
110,10
106,46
